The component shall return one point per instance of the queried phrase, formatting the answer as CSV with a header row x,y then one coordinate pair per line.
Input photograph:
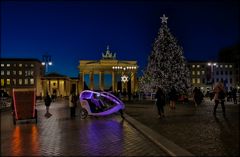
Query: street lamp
x,y
212,70
46,61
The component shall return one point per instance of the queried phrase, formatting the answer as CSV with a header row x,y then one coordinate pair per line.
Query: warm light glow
x,y
43,63
209,64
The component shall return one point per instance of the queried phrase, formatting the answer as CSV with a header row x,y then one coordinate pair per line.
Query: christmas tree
x,y
166,67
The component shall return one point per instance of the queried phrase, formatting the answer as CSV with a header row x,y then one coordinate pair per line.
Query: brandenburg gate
x,y
127,70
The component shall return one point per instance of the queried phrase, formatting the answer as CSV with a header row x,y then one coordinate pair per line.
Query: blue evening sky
x,y
80,30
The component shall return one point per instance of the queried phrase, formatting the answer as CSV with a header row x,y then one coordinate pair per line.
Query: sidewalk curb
x,y
168,146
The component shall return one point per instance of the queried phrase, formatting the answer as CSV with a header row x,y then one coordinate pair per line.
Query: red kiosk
x,y
24,104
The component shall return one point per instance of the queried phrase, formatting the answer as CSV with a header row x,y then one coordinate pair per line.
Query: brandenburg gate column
x,y
91,80
113,81
101,80
133,82
81,81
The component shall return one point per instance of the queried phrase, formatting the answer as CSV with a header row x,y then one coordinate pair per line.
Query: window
x,y
216,66
20,72
230,66
217,72
198,66
2,82
32,65
203,72
217,80
231,80
193,80
198,80
198,72
14,65
14,82
226,80
31,81
221,72
8,65
26,81
20,81
193,66
2,72
32,73
221,66
193,72
203,80
14,72
2,65
230,72
8,72
226,72
226,66
8,81
20,65
26,65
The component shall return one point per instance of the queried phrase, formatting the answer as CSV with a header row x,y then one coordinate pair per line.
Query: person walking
x,y
72,104
47,101
219,96
173,98
160,102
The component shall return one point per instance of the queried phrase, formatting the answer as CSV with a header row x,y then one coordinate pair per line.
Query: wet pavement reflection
x,y
60,135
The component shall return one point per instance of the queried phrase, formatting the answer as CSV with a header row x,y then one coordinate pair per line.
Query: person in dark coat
x,y
160,102
173,98
47,101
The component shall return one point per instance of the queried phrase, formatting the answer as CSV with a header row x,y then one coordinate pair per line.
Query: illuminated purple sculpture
x,y
99,103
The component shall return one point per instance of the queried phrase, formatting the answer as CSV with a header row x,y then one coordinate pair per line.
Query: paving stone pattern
x,y
60,135
194,129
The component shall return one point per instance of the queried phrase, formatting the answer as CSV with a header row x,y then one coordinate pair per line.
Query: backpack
x,y
221,95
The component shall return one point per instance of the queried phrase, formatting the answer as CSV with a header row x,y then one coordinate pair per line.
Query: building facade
x,y
59,85
21,73
206,74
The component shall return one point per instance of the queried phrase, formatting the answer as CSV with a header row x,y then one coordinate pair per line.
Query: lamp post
x,y
212,71
46,61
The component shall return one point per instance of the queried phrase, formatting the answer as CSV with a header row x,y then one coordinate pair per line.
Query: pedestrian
x,y
173,98
234,95
219,96
195,96
160,102
72,104
47,101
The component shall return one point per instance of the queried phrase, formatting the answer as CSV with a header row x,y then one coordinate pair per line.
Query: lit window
x,y
198,72
2,82
8,81
193,72
8,65
32,72
193,80
20,65
198,80
2,65
20,81
8,72
226,66
230,66
14,81
20,72
193,66
203,72
26,81
32,65
217,66
2,72
14,72
221,66
198,66
31,81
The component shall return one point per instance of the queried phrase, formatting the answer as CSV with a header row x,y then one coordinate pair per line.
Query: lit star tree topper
x,y
166,66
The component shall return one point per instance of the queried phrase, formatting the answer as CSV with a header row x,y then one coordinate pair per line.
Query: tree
x,y
166,67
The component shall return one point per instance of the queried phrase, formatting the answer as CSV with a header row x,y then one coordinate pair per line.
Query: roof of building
x,y
54,74
20,59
